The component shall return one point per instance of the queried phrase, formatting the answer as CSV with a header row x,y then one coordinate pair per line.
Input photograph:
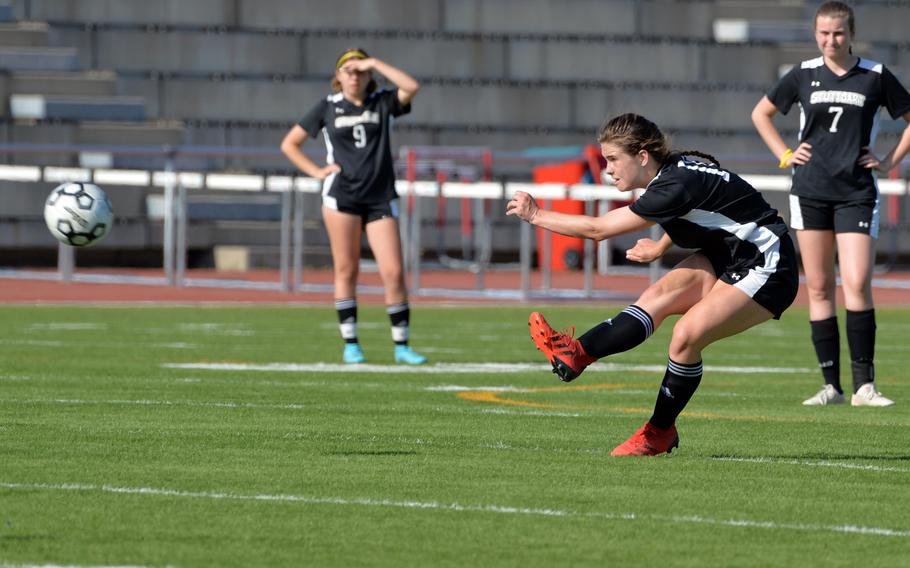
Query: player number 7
x,y
838,111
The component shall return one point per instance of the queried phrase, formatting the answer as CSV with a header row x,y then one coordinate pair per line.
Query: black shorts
x,y
368,212
772,285
840,217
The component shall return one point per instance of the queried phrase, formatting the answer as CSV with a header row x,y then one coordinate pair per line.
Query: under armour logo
x,y
735,276
816,84
864,224
666,391
339,110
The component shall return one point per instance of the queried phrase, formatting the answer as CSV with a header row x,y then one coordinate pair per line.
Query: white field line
x,y
65,566
458,368
39,342
66,326
157,403
530,412
823,463
460,508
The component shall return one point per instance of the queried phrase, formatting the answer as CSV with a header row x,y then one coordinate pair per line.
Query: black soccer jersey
x,y
702,206
838,117
357,139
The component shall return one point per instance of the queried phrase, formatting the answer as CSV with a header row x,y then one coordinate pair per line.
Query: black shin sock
x,y
630,328
678,386
399,316
347,319
826,339
861,340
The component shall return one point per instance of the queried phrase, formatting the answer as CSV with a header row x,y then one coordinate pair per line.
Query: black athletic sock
x,y
399,314
347,319
629,328
826,339
678,386
861,340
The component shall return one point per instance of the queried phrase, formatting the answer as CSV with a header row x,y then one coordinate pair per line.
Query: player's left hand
x,y
645,250
870,161
523,206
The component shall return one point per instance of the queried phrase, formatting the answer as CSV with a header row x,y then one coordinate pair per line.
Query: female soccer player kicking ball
x,y
743,272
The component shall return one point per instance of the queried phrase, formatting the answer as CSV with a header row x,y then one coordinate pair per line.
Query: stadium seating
x,y
509,75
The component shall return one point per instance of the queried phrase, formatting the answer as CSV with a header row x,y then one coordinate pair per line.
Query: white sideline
x,y
458,368
823,463
244,182
460,508
158,403
67,566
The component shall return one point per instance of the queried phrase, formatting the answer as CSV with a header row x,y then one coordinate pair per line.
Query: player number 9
x,y
360,136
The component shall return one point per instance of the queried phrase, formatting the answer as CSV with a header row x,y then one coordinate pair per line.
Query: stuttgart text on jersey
x,y
367,117
839,97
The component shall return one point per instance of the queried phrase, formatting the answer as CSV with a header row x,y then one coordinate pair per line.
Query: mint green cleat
x,y
353,354
407,356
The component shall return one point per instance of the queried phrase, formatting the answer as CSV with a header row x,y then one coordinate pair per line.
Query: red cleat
x,y
562,350
649,441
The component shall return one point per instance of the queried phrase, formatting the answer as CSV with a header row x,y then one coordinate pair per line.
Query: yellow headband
x,y
350,54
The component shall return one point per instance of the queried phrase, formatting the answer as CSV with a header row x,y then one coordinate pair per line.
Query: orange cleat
x,y
562,350
649,441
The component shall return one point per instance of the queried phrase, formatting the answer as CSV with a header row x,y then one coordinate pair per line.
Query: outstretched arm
x,y
616,222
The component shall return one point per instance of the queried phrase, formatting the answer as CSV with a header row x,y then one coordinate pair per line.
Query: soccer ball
x,y
78,214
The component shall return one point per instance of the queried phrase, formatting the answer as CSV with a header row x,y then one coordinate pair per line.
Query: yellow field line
x,y
496,397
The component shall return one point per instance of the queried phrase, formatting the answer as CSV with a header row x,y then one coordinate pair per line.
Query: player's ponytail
x,y
696,153
634,133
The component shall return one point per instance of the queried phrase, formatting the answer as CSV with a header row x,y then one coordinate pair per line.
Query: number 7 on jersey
x,y
838,111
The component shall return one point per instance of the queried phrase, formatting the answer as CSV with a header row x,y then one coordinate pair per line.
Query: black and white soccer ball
x,y
78,214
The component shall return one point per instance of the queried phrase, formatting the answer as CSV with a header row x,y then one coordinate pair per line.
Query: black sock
x,y
826,339
399,314
347,319
861,340
630,328
678,386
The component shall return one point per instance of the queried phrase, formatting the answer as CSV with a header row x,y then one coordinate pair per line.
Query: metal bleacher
x,y
502,74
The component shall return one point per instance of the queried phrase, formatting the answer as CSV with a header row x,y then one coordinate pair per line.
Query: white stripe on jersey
x,y
796,214
764,239
761,237
812,63
329,159
757,277
873,66
876,212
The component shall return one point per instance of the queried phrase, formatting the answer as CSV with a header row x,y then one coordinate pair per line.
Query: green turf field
x,y
232,437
